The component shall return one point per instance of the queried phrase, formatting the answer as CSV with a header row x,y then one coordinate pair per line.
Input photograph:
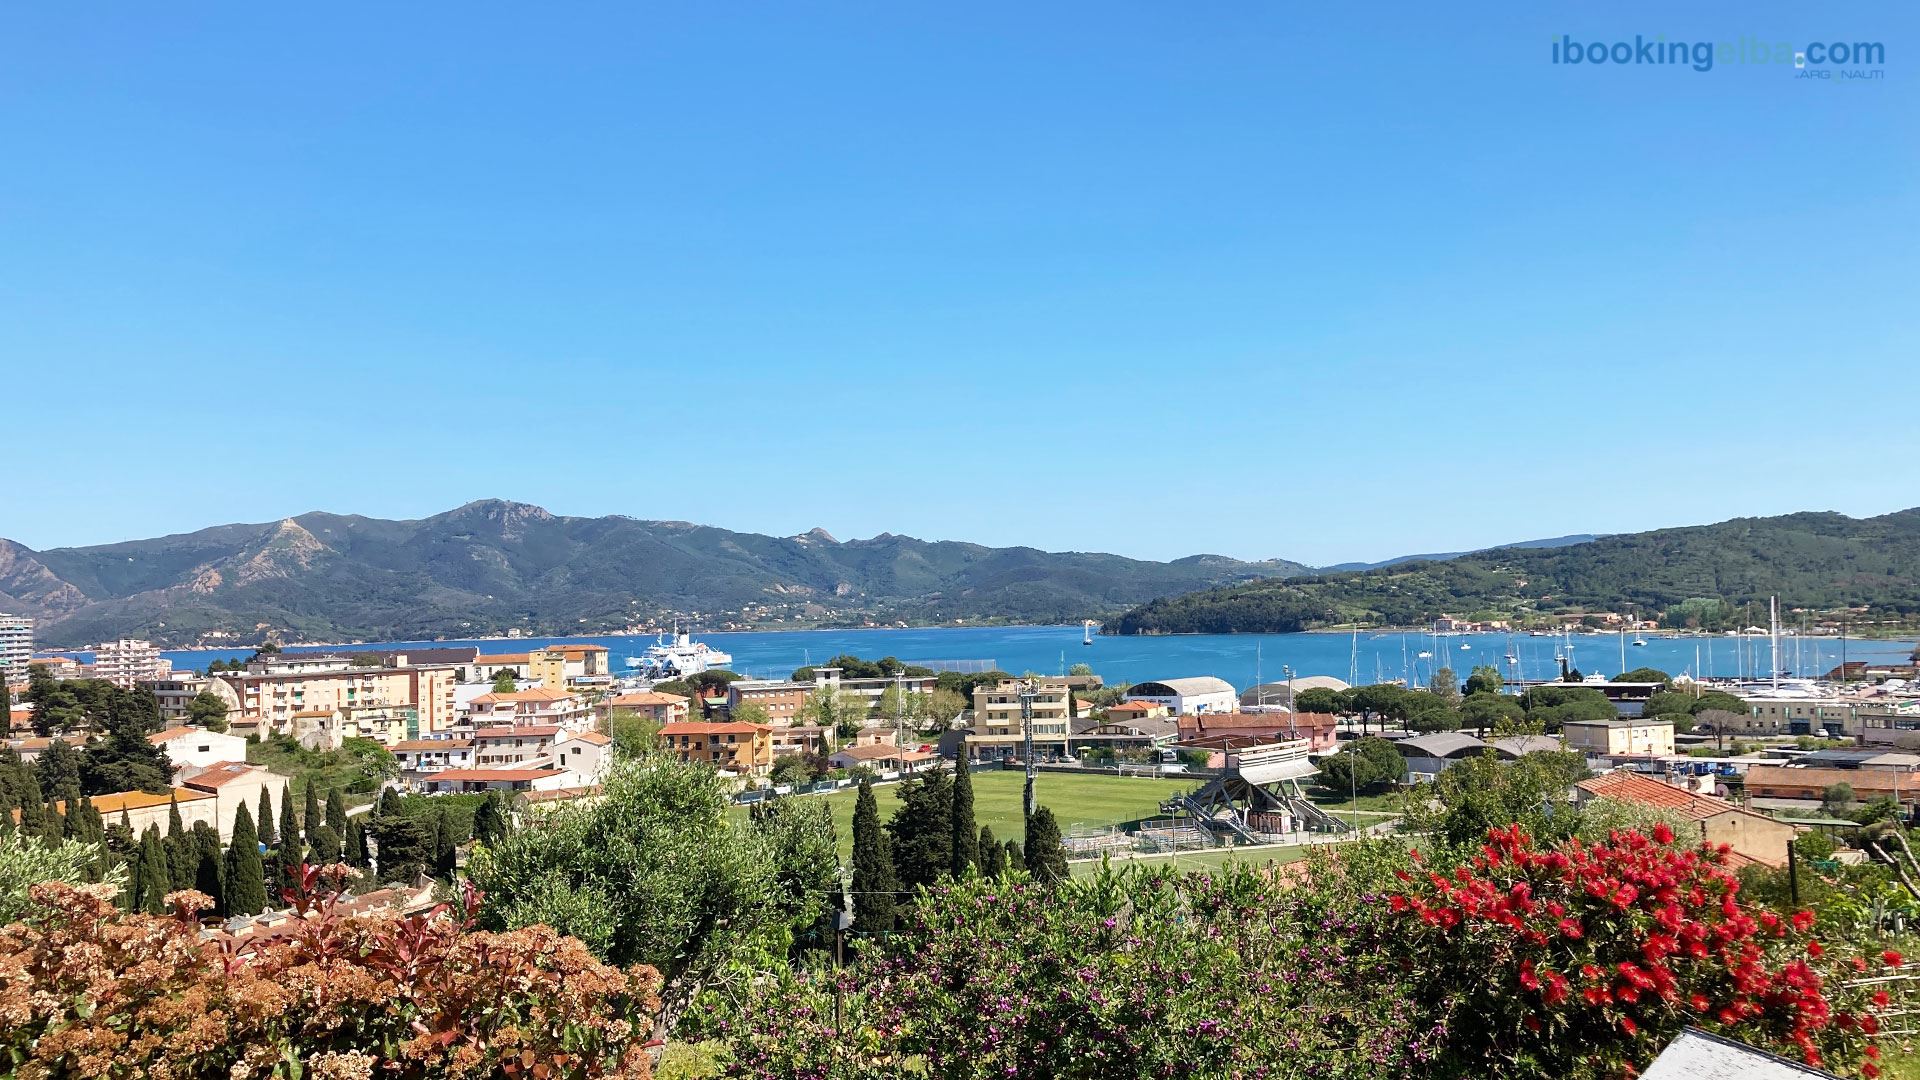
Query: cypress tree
x,y
6,810
1046,856
264,820
53,825
874,883
6,707
1016,858
993,857
83,819
490,821
310,812
354,845
33,812
389,803
289,828
246,886
966,841
326,846
337,812
151,879
207,872
183,858
443,846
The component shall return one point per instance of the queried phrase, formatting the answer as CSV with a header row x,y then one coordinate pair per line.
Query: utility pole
x,y
1027,696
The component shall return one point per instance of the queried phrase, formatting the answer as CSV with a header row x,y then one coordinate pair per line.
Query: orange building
x,y
746,749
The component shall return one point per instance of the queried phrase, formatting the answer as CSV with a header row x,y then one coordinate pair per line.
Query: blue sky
x,y
1322,282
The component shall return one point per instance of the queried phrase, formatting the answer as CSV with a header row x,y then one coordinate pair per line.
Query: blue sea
x,y
1241,659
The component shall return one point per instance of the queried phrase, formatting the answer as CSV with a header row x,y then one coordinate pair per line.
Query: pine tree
x,y
310,812
966,841
207,871
354,845
151,879
289,828
1016,857
246,885
336,812
1046,856
265,820
389,803
874,883
920,834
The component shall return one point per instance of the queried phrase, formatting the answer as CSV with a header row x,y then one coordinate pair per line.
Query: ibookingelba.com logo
x,y
1818,59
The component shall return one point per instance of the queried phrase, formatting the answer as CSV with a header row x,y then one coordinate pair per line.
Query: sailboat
x,y
1086,632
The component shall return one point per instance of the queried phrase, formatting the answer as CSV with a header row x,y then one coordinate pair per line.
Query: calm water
x,y
1234,657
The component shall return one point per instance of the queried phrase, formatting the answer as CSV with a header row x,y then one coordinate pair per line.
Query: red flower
x,y
1627,1025
1814,949
1893,958
1880,999
1532,1022
1662,834
1571,928
1803,920
1700,1003
1869,1070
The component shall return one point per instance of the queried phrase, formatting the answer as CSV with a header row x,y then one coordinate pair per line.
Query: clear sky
x,y
1326,282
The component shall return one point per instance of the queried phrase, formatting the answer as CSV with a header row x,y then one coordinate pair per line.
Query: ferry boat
x,y
683,657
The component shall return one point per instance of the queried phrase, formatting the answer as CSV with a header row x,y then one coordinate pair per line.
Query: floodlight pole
x,y
1027,696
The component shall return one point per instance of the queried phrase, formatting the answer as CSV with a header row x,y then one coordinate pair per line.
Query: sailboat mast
x,y
1773,612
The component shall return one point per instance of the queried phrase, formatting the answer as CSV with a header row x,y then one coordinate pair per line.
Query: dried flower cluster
x,y
86,990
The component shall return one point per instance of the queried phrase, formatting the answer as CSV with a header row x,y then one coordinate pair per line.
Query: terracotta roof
x,y
575,648
646,697
37,742
525,731
140,800
1861,780
1634,788
221,773
695,727
1136,706
170,734
537,694
592,737
558,794
492,774
501,659
314,712
882,751
431,744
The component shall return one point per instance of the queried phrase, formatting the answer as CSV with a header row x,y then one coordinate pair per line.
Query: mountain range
x,y
1820,565
489,566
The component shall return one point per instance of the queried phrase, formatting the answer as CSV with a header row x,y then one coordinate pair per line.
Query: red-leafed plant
x,y
1587,959
86,990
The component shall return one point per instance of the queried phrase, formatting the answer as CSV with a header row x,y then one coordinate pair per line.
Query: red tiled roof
x,y
501,659
695,727
525,731
221,773
1634,788
170,734
536,694
138,800
493,774
593,737
646,697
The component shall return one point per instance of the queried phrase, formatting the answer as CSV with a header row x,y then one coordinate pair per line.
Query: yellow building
x,y
1619,737
272,702
999,730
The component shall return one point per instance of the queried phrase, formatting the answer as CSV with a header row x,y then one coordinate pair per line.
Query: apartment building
x,y
782,700
267,699
16,647
1619,738
128,662
746,749
540,705
651,704
420,758
872,689
232,785
176,692
998,731
505,747
198,746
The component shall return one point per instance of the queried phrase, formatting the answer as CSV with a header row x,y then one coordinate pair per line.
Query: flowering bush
x,y
1587,959
86,990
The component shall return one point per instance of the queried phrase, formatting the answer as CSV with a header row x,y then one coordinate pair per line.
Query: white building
x,y
503,747
232,785
555,708
1188,697
16,646
128,662
584,756
198,746
423,757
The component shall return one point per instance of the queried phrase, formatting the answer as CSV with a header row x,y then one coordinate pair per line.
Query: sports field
x,y
1074,798
1200,860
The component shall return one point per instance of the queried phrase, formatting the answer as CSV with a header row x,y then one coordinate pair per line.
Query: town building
x,y
419,758
647,704
1137,710
1619,738
536,706
745,749
1320,731
30,747
998,731
481,781
1799,782
801,739
144,808
129,662
198,746
1752,837
486,666
1271,695
1427,756
265,700
16,648
585,755
782,700
884,758
502,747
232,784
59,667
176,692
1185,697
1127,731
874,688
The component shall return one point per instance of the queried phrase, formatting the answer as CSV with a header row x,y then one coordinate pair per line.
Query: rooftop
x,y
483,775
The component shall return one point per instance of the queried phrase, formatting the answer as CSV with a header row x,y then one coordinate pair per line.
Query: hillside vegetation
x,y
1708,577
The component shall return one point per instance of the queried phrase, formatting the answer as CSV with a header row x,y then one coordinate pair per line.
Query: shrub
x,y
86,990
